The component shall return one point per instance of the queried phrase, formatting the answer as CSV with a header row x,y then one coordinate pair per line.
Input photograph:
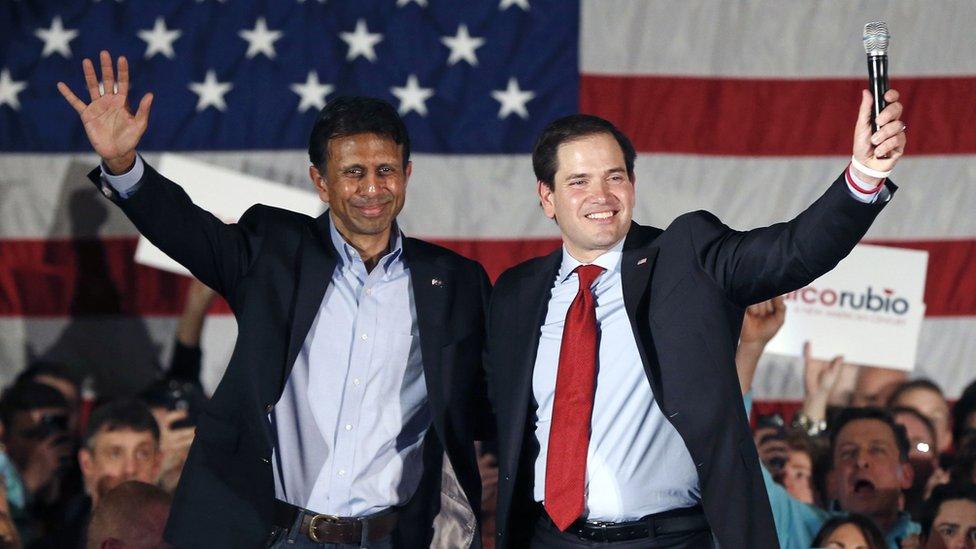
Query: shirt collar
x,y
349,256
609,260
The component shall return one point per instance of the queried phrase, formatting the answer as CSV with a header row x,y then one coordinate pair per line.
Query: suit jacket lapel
x,y
317,262
433,291
636,269
534,291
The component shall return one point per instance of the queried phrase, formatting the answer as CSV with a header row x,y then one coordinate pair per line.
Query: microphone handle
x,y
878,83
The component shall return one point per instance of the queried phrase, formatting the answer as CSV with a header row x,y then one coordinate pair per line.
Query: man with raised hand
x,y
611,361
356,382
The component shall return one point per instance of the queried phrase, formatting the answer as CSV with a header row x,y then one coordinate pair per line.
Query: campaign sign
x,y
226,194
869,309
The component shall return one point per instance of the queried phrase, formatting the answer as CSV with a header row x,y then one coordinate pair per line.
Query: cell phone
x,y
773,420
173,395
182,396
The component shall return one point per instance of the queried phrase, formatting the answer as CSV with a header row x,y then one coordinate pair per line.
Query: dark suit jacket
x,y
685,290
273,267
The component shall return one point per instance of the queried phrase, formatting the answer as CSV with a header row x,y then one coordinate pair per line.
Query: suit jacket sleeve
x,y
752,266
217,253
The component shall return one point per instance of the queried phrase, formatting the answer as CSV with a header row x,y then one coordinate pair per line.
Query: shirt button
x,y
342,472
369,291
364,337
348,427
356,381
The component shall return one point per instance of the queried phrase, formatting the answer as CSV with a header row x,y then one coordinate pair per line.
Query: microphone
x,y
876,46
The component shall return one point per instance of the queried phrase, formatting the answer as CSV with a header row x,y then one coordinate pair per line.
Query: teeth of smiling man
x,y
601,215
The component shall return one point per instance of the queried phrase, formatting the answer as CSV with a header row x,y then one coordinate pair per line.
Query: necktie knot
x,y
587,274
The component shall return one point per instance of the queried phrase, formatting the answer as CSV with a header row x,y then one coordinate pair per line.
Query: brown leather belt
x,y
331,529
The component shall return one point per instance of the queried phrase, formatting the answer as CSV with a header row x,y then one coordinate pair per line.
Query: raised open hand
x,y
112,130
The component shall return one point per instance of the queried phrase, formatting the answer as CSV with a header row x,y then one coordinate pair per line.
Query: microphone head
x,y
876,38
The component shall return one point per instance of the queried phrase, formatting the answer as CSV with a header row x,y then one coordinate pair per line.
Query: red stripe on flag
x,y
950,282
98,277
85,277
754,117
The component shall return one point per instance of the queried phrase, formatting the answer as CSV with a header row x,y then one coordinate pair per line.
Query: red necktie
x,y
569,435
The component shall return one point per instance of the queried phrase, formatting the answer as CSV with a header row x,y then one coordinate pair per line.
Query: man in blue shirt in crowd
x,y
869,470
869,464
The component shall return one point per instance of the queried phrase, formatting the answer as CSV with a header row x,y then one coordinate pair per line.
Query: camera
x,y
48,425
174,394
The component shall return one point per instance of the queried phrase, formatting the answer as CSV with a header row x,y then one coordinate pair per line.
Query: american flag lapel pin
x,y
642,261
436,282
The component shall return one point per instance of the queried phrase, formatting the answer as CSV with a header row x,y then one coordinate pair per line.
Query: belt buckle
x,y
313,525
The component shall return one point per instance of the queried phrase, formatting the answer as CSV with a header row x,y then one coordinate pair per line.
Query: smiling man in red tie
x,y
611,360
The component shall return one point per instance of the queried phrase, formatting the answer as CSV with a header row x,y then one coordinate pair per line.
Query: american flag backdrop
x,y
745,108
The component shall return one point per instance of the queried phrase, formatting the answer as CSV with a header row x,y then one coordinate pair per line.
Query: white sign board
x,y
869,309
226,194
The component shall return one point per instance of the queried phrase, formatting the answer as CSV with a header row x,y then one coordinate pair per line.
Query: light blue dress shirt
x,y
351,421
637,463
352,418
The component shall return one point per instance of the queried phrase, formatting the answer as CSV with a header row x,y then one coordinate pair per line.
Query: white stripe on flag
x,y
494,197
772,38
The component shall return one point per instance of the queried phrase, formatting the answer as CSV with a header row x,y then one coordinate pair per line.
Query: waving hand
x,y
114,132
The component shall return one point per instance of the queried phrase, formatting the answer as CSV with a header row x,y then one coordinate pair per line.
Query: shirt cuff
x,y
863,192
125,184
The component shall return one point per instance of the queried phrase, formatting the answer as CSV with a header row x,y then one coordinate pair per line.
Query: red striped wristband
x,y
858,188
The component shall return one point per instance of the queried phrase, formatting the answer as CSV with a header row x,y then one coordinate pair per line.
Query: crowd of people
x,y
83,472
871,459
842,472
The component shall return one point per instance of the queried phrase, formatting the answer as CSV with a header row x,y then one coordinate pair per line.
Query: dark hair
x,y
345,116
964,407
126,508
940,495
929,426
52,369
907,386
870,531
28,395
848,415
570,128
963,462
123,414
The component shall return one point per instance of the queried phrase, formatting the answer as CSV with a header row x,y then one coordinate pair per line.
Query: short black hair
x,y
122,414
929,426
963,464
52,369
351,115
28,395
940,495
922,383
848,415
545,162
872,534
964,407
